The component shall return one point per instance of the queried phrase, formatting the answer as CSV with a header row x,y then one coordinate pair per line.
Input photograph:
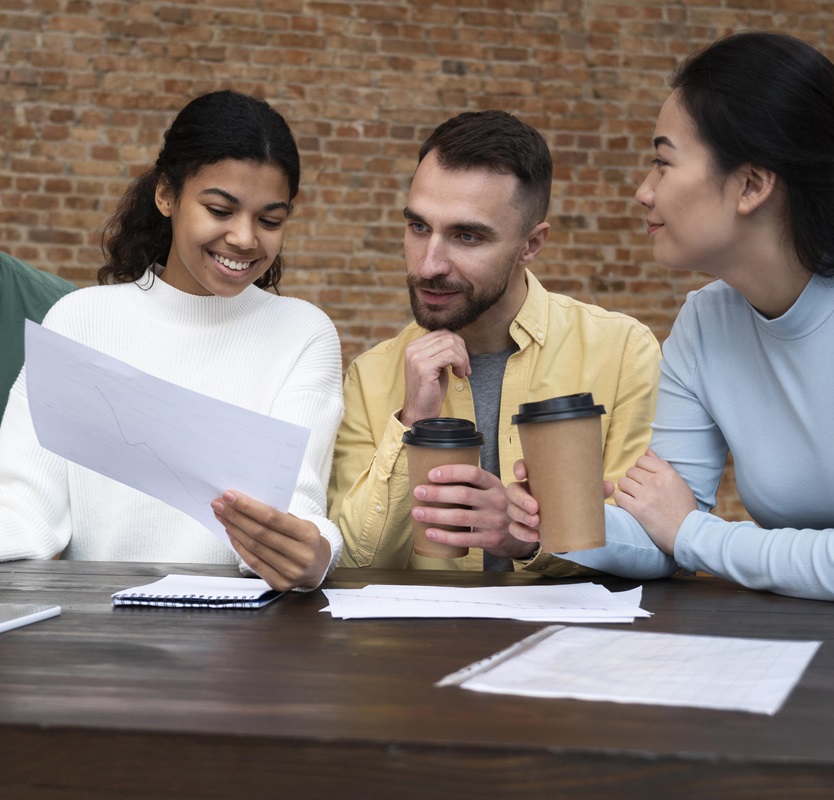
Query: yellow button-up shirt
x,y
564,347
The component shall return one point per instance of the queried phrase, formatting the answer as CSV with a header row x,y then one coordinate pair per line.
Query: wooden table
x,y
286,702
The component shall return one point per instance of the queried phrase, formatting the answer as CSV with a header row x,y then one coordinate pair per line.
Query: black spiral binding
x,y
195,600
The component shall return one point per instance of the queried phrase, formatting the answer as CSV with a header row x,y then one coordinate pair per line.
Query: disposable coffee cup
x,y
432,443
561,440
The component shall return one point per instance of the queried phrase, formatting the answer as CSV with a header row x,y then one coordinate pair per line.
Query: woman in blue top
x,y
742,188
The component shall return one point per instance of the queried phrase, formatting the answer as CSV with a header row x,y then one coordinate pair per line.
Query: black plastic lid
x,y
443,432
570,406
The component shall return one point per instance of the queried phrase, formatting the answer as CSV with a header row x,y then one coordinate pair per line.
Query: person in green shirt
x,y
25,293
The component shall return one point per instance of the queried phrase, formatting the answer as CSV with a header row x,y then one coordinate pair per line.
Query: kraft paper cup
x,y
561,440
434,443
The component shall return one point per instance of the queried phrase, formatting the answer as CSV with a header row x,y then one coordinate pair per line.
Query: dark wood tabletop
x,y
286,702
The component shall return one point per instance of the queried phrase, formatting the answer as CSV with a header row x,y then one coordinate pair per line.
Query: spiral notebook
x,y
199,591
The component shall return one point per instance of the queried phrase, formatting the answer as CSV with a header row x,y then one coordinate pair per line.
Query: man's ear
x,y
535,241
163,197
757,185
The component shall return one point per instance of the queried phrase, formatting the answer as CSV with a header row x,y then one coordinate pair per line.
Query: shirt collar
x,y
530,324
812,308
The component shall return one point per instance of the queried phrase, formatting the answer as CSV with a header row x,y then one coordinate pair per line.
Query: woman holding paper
x,y
190,251
741,188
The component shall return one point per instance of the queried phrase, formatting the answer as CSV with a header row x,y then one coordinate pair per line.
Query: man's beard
x,y
433,318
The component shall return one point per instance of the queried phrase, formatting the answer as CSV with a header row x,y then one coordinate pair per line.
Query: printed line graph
x,y
204,498
172,443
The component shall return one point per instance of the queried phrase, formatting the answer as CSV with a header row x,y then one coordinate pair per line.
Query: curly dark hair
x,y
211,128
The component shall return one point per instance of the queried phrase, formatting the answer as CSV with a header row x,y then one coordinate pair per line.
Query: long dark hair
x,y
768,99
210,128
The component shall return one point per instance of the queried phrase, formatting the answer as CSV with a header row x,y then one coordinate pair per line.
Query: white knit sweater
x,y
275,355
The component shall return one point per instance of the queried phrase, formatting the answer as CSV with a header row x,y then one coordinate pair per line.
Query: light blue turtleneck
x,y
732,380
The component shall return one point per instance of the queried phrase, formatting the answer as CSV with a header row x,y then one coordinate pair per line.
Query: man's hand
x,y
478,501
284,550
426,379
657,497
523,508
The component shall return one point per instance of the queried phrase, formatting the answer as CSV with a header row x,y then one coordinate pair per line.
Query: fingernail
x,y
218,506
420,493
230,496
431,535
419,513
434,475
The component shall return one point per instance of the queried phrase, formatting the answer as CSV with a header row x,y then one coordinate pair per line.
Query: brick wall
x,y
88,87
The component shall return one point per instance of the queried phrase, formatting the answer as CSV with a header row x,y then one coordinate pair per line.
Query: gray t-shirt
x,y
486,381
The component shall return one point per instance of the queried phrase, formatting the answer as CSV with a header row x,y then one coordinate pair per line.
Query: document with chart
x,y
717,672
177,445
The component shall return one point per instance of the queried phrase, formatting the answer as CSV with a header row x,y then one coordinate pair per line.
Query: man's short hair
x,y
498,141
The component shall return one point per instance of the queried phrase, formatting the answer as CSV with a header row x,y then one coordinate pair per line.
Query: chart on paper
x,y
177,445
649,668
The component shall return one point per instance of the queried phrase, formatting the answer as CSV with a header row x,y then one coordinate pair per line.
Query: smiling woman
x,y
690,209
228,224
741,188
189,252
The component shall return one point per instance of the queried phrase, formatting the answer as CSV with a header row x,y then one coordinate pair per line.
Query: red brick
x,y
91,85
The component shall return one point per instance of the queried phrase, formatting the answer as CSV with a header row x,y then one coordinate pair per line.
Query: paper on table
x,y
578,602
754,675
174,444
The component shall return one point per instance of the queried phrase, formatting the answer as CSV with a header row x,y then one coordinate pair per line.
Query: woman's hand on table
x,y
654,493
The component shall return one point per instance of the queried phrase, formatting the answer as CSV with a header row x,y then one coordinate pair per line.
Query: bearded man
x,y
486,337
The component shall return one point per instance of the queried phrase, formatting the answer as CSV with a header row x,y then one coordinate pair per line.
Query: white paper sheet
x,y
174,444
754,675
577,602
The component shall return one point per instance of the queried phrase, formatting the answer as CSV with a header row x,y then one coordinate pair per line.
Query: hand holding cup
x,y
433,443
561,440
